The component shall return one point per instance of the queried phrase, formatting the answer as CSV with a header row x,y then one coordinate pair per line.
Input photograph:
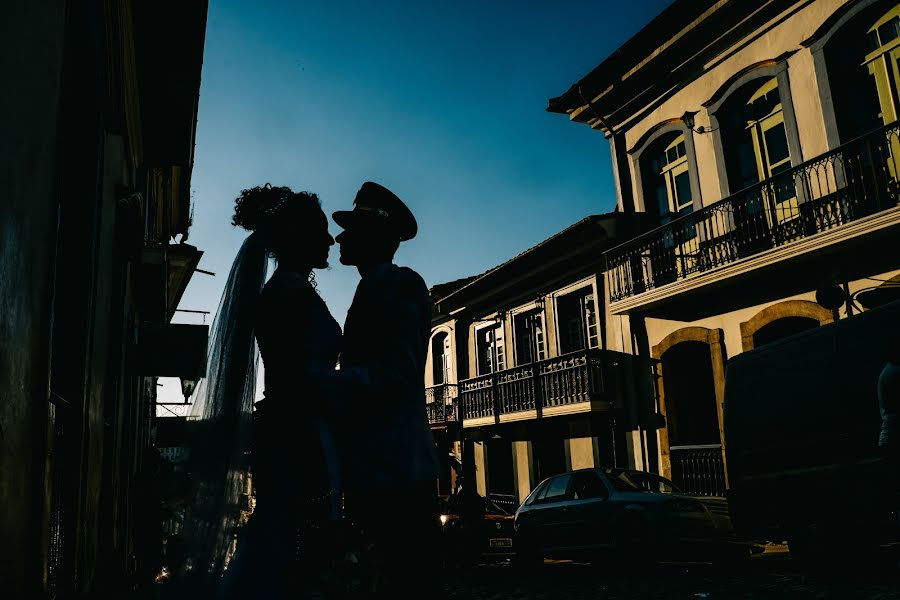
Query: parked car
x,y
472,533
589,512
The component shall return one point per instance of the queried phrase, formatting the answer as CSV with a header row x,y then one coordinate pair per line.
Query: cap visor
x,y
344,218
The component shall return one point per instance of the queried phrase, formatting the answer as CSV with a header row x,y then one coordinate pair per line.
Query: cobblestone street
x,y
766,576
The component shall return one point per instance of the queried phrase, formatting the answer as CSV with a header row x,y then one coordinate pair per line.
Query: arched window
x,y
754,135
757,155
667,181
668,193
441,364
882,61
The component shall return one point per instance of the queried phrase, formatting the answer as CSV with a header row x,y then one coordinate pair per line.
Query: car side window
x,y
663,485
586,485
556,489
536,494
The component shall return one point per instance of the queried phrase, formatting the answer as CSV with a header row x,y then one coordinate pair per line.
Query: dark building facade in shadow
x,y
101,105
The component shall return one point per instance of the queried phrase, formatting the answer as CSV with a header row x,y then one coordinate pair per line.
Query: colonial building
x,y
761,140
521,381
101,104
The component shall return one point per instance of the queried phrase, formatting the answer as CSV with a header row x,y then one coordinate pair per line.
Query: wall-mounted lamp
x,y
688,119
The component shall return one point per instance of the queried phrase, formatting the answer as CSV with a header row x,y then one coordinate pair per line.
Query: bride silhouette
x,y
294,457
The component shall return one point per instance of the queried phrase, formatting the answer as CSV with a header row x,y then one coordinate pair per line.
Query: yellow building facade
x,y
760,141
521,383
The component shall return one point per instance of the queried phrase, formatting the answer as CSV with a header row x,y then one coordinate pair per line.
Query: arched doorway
x,y
691,388
782,328
690,395
781,320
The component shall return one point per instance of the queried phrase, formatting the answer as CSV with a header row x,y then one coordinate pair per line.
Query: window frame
x,y
646,142
763,70
541,345
883,64
541,497
597,477
600,324
498,360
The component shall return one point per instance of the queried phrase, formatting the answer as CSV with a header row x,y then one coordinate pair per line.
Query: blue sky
x,y
444,103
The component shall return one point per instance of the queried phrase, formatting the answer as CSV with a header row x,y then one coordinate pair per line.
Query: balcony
x,y
441,404
824,207
577,382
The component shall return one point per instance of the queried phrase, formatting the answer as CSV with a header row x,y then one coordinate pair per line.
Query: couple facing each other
x,y
352,441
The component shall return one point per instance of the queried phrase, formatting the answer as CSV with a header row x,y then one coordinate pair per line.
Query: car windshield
x,y
622,481
492,509
651,482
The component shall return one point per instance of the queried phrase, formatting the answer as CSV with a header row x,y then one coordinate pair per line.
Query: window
x,y
653,483
530,338
587,485
440,359
536,493
669,182
764,119
621,480
441,364
491,349
577,321
667,193
883,61
755,143
556,489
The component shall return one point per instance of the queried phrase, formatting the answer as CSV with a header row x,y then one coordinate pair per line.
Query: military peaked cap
x,y
376,206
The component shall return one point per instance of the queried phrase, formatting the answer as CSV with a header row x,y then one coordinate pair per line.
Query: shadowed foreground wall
x,y
32,34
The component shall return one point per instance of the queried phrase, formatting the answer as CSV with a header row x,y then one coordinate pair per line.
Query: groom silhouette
x,y
390,465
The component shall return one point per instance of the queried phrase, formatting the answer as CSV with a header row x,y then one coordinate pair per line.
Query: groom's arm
x,y
396,359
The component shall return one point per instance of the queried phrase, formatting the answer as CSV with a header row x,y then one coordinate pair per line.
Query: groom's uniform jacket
x,y
388,441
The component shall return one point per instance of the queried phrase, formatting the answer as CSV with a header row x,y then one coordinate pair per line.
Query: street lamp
x,y
187,389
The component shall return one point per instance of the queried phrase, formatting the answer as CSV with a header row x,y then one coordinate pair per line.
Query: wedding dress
x,y
294,458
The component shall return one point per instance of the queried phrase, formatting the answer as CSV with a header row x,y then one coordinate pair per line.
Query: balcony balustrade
x,y
698,470
570,379
441,404
857,179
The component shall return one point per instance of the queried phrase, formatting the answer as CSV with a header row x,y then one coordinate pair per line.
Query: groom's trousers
x,y
403,524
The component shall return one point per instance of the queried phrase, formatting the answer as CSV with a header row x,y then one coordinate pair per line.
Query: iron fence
x,y
857,179
568,379
440,403
698,470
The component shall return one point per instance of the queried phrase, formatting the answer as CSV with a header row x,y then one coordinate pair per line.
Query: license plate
x,y
501,543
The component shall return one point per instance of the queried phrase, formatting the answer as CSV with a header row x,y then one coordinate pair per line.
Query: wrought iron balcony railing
x,y
698,470
568,379
857,179
441,403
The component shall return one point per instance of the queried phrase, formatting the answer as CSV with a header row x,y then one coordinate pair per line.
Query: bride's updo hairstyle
x,y
285,219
